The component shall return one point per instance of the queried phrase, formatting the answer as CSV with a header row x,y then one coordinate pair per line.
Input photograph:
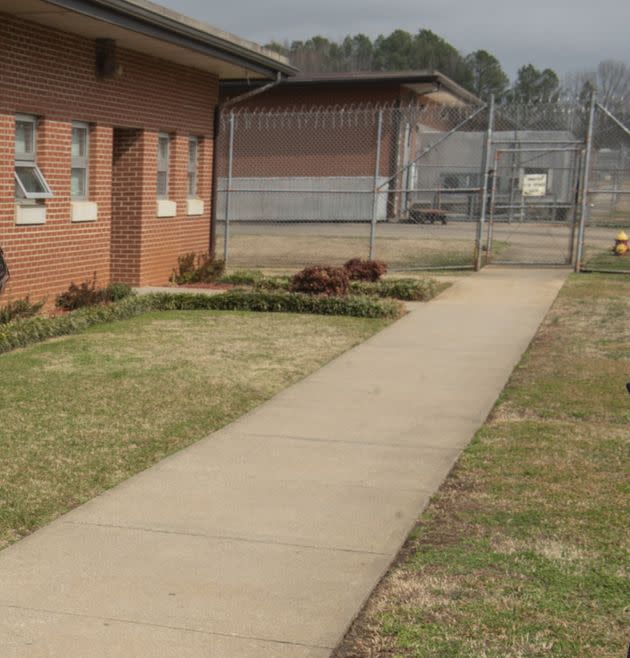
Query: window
x,y
164,149
29,180
80,155
193,161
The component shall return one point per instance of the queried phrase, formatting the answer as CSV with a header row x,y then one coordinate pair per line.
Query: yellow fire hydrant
x,y
621,247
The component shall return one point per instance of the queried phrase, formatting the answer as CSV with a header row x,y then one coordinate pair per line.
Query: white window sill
x,y
84,211
27,215
195,207
166,208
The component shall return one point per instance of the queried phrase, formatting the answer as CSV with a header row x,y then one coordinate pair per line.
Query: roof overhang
x,y
154,30
431,84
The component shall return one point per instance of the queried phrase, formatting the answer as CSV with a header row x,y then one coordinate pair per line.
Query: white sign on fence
x,y
535,185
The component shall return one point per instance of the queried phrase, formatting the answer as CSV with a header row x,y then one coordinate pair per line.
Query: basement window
x,y
29,181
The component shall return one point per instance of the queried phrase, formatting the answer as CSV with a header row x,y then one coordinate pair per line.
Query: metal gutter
x,y
158,23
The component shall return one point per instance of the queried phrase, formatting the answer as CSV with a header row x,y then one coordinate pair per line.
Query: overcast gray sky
x,y
567,35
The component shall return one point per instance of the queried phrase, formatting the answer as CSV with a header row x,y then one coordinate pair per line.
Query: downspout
x,y
215,137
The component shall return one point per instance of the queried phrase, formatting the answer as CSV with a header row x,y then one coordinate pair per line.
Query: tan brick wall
x,y
51,75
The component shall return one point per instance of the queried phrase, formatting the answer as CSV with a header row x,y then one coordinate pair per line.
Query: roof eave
x,y
146,21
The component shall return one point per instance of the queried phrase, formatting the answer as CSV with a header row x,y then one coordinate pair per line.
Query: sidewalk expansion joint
x,y
185,629
230,538
378,444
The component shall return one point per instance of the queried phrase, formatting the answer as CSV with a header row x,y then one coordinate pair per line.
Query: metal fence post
x,y
228,190
377,171
586,180
486,180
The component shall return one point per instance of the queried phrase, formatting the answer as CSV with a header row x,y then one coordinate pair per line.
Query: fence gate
x,y
536,155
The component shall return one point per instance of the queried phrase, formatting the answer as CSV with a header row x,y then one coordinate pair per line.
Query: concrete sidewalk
x,y
263,540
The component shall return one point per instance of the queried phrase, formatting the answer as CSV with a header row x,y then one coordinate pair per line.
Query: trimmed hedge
x,y
280,302
21,333
409,290
273,283
242,277
25,332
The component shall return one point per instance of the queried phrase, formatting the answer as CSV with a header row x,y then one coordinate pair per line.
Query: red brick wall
x,y
50,74
292,148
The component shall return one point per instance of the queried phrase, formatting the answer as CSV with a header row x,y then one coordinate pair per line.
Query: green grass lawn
x,y
82,413
525,550
606,260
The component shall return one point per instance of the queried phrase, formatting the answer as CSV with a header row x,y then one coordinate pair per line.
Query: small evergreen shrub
x,y
193,268
19,309
273,283
242,277
410,290
365,270
116,292
318,280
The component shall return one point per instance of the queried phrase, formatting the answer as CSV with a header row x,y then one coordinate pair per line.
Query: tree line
x,y
479,72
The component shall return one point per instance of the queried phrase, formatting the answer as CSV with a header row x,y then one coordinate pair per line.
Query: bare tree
x,y
611,81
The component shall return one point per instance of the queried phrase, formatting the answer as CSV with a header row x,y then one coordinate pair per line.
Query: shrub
x,y
279,302
116,291
318,280
273,283
365,270
25,332
32,330
416,290
77,296
20,308
202,268
242,277
87,294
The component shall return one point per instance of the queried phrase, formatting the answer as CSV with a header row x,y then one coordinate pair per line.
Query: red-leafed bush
x,y
318,280
365,270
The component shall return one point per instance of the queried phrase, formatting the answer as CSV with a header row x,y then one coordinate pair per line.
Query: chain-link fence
x,y
298,187
420,186
607,201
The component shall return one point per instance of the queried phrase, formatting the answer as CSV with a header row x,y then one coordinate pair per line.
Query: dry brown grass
x,y
297,250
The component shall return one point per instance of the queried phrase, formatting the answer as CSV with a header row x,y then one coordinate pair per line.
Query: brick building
x,y
306,149
106,138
